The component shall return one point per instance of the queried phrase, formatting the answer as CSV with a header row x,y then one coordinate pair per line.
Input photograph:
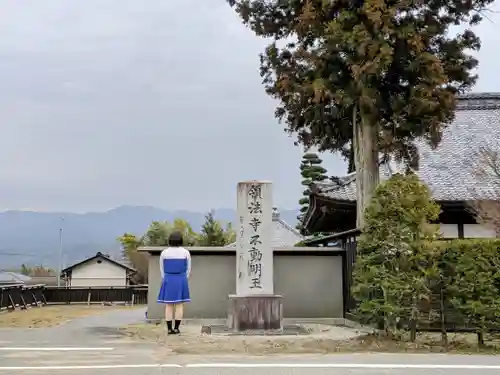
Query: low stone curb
x,y
339,322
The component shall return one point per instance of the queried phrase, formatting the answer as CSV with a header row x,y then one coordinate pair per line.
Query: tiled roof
x,y
7,277
101,256
449,169
283,233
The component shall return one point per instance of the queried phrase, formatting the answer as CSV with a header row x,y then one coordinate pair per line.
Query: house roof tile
x,y
102,256
449,169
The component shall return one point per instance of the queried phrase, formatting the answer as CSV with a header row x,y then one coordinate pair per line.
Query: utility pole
x,y
59,270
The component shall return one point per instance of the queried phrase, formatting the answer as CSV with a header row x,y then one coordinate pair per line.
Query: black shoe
x,y
169,328
171,332
176,326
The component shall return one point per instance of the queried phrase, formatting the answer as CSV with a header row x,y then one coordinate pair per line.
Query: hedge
x,y
448,285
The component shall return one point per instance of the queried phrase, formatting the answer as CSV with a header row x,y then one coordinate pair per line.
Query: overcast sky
x,y
157,102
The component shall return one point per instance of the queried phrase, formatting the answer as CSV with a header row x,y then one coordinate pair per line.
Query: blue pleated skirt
x,y
174,287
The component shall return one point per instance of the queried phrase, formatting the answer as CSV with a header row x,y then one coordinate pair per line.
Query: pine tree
x,y
311,172
214,234
25,270
366,77
130,243
159,231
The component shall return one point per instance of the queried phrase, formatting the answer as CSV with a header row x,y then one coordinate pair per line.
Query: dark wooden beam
x,y
333,216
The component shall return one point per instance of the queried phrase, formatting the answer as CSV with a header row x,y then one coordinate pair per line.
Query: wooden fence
x,y
132,295
25,296
21,296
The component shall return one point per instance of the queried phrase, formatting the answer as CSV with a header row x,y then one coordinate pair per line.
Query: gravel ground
x,y
321,338
52,315
127,327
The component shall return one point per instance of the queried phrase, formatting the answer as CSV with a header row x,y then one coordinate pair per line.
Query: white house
x,y
98,271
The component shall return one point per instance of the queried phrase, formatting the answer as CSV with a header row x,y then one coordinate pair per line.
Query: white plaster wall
x,y
94,274
449,230
311,285
478,231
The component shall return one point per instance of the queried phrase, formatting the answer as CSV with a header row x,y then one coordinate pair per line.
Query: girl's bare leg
x,y
169,312
179,311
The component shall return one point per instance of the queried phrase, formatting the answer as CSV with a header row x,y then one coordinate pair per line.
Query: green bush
x,y
391,268
405,278
459,287
470,270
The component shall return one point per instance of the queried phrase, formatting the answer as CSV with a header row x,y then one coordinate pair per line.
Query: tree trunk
x,y
480,339
414,318
351,167
365,144
442,313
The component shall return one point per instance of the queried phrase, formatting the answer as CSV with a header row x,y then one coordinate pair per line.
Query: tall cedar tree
x,y
369,74
311,172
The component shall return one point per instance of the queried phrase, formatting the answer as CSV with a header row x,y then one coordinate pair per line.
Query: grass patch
x,y
51,315
191,341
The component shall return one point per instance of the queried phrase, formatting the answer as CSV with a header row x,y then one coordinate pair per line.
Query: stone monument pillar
x,y
254,306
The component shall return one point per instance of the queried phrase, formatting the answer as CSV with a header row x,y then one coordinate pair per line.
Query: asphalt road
x,y
148,359
84,347
83,330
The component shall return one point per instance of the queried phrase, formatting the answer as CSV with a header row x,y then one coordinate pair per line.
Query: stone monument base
x,y
255,312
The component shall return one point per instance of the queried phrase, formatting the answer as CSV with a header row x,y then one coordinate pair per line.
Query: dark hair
x,y
175,239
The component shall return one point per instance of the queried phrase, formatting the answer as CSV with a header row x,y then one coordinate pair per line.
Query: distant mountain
x,y
33,237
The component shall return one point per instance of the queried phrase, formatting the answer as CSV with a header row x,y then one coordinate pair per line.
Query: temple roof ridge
x,y
448,170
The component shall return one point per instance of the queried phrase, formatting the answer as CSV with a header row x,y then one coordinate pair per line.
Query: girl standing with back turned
x,y
175,267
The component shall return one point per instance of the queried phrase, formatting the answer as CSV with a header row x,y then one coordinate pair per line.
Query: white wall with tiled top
x,y
470,231
478,231
449,230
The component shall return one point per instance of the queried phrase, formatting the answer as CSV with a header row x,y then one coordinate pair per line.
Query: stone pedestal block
x,y
255,312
